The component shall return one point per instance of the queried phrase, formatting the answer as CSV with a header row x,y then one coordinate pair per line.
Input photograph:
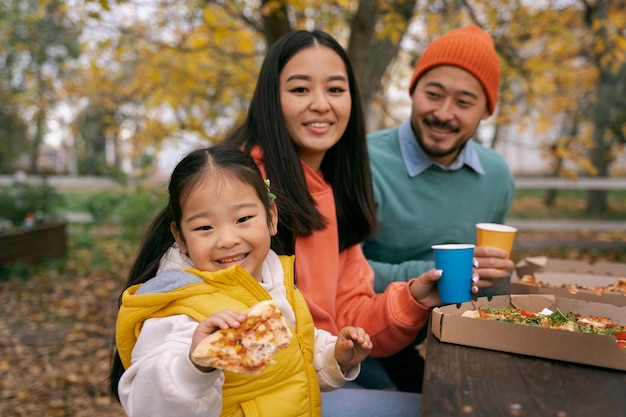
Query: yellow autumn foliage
x,y
191,69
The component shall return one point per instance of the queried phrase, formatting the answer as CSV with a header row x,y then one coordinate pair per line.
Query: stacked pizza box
x,y
602,282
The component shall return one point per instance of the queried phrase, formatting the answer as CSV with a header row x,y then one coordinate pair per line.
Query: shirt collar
x,y
416,161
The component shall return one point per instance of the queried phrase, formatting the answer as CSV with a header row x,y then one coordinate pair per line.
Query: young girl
x,y
213,240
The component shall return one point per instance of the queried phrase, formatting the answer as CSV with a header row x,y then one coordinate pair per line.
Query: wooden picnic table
x,y
462,381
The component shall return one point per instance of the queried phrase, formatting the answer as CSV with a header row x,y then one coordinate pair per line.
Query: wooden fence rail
x,y
586,183
559,183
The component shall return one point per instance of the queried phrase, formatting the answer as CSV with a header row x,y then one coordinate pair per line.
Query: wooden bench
x,y
48,240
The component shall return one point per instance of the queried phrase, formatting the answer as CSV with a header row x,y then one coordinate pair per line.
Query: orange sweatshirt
x,y
339,287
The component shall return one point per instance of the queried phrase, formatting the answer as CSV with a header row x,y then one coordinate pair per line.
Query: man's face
x,y
448,104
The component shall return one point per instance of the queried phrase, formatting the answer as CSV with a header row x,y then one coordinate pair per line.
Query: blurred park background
x,y
100,98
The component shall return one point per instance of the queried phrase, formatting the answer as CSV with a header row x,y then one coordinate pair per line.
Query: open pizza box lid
x,y
583,348
560,272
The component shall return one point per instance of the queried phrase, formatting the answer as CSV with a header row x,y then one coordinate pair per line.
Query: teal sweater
x,y
434,207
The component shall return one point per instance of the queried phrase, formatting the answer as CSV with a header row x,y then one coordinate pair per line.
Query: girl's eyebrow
x,y
196,216
245,205
235,207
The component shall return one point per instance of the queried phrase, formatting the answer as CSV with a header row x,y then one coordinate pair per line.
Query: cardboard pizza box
x,y
533,264
583,348
563,272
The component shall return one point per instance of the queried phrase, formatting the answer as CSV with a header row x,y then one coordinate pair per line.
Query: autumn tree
x,y
606,21
95,126
562,79
37,40
572,71
186,81
187,68
193,77
375,30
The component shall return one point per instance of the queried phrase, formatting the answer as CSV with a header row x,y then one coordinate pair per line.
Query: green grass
x,y
77,201
527,204
569,204
107,245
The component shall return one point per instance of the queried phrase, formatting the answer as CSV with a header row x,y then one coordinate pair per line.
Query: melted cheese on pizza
x,y
250,347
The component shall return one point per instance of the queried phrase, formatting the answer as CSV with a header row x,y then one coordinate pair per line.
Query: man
x,y
432,182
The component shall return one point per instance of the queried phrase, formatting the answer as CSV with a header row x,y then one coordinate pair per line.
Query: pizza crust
x,y
248,348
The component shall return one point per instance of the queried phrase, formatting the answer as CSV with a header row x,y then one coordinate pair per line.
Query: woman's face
x,y
316,101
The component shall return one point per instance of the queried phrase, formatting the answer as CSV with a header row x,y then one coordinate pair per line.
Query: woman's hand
x,y
424,288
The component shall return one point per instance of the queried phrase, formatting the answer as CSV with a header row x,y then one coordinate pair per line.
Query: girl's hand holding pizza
x,y
352,347
221,320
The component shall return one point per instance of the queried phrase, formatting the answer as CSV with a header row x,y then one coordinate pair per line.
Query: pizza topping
x,y
554,320
618,287
248,348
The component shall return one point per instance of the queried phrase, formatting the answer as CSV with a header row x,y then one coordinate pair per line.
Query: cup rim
x,y
453,246
496,227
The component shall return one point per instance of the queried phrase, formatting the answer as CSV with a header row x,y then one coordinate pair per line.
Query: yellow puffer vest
x,y
288,387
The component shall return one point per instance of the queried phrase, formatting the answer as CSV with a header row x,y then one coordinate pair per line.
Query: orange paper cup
x,y
496,235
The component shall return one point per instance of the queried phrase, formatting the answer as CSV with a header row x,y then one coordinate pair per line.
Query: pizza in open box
x,y
554,320
248,348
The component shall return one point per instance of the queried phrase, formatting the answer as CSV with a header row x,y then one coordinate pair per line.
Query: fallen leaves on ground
x,y
57,327
55,338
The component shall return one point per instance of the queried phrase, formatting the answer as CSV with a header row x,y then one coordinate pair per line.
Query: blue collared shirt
x,y
416,161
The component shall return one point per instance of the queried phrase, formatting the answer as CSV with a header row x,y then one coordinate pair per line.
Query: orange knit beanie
x,y
469,48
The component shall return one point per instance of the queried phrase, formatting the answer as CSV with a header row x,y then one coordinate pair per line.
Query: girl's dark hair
x,y
198,166
345,166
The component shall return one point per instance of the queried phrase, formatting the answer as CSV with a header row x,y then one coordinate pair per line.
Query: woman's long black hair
x,y
198,166
345,166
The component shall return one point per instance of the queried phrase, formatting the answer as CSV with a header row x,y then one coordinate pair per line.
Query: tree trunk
x,y
597,199
370,54
40,120
551,194
275,23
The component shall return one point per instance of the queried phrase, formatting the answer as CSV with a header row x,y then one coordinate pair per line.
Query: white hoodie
x,y
162,381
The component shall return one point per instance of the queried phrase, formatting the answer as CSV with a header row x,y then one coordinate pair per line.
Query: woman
x,y
305,127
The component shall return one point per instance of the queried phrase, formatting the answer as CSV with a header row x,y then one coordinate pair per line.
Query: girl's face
x,y
315,100
224,223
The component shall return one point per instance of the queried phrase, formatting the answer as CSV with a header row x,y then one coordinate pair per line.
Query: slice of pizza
x,y
248,348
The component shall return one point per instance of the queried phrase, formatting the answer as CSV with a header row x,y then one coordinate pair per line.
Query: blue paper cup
x,y
456,261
